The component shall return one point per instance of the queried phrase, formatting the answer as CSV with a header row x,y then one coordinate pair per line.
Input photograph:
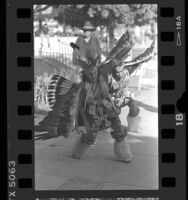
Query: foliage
x,y
100,15
108,16
144,13
41,88
105,15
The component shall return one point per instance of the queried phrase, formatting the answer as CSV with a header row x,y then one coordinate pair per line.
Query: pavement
x,y
55,169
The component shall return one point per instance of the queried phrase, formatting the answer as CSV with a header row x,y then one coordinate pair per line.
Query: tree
x,y
43,12
110,16
107,15
100,15
144,13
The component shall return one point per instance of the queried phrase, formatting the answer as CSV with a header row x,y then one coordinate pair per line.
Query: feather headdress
x,y
143,57
122,48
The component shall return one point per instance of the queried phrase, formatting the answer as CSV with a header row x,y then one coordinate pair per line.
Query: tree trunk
x,y
111,36
40,26
40,31
64,23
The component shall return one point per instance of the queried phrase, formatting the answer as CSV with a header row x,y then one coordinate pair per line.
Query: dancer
x,y
94,102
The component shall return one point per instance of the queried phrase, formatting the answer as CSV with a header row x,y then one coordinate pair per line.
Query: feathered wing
x,y
126,69
61,68
51,97
122,48
144,57
63,97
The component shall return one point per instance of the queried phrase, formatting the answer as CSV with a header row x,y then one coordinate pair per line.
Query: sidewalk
x,y
99,170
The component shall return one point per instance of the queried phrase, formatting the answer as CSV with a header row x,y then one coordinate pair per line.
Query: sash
x,y
104,87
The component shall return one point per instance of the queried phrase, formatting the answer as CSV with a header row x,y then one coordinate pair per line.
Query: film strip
x,y
171,117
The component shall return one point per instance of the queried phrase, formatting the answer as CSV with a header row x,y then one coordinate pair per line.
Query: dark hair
x,y
116,75
85,78
84,73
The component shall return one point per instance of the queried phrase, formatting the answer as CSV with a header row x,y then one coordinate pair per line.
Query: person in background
x,y
88,44
45,35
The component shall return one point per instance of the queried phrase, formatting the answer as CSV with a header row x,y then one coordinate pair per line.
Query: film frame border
x,y
20,98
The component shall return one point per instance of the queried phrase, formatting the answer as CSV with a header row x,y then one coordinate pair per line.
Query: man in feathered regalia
x,y
96,101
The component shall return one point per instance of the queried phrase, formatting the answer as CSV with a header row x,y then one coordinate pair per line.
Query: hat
x,y
88,26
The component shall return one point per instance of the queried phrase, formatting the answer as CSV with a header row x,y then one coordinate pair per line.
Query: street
x,y
55,169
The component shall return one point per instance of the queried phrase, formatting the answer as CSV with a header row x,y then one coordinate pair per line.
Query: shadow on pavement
x,y
44,136
147,107
98,165
39,111
41,133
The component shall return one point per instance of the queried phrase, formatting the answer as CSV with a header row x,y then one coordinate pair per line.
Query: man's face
x,y
87,33
92,73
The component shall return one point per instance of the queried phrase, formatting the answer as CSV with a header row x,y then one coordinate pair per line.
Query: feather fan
x,y
63,98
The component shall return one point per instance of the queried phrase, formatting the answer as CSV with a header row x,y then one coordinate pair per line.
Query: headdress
x,y
88,26
84,61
